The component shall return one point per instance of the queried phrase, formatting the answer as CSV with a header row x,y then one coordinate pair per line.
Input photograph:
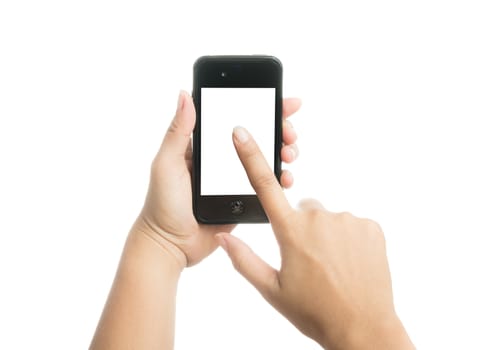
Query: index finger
x,y
261,177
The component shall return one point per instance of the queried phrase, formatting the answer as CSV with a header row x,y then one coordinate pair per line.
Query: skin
x,y
140,310
334,283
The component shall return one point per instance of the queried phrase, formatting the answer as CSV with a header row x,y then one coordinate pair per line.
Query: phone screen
x,y
223,108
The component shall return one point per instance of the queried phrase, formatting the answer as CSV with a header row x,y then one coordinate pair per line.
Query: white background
x,y
388,130
222,110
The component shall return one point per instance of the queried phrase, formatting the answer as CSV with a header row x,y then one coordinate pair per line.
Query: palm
x,y
170,194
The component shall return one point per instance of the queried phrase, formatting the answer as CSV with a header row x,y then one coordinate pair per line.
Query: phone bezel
x,y
241,71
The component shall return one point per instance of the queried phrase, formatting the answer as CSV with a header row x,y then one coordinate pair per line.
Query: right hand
x,y
334,283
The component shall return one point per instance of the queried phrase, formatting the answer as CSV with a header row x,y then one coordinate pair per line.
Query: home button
x,y
237,207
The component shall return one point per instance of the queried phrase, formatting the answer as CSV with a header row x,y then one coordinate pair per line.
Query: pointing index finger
x,y
261,177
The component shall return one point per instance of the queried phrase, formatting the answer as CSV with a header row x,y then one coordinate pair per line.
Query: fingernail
x,y
240,134
221,241
181,101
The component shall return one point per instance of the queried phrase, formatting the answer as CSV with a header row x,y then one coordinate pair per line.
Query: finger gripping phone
x,y
229,91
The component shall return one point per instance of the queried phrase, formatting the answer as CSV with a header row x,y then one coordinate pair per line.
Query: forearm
x,y
140,310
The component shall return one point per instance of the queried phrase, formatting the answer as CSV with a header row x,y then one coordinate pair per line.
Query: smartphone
x,y
230,91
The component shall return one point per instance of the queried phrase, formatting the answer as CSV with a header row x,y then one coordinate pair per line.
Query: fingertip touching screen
x,y
221,110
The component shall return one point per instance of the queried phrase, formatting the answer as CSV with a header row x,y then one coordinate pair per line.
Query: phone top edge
x,y
236,58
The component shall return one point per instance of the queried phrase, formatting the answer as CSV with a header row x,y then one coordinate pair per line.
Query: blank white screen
x,y
221,110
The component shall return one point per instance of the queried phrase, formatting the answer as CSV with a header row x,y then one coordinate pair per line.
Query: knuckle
x,y
315,214
250,152
264,181
309,204
372,230
247,157
172,128
308,220
373,226
345,216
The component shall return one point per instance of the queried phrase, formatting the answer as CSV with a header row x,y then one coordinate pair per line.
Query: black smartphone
x,y
230,91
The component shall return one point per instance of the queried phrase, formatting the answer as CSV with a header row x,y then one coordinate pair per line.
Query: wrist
x,y
387,333
140,310
169,252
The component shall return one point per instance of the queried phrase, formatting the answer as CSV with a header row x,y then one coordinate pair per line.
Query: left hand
x,y
167,216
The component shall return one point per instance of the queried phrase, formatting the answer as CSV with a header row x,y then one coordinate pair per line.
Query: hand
x,y
334,283
167,216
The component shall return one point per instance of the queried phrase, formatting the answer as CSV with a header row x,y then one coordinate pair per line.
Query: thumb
x,y
260,274
178,136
